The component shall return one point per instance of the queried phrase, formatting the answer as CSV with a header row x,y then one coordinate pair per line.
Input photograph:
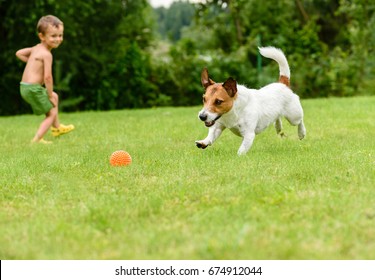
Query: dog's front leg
x,y
213,133
247,141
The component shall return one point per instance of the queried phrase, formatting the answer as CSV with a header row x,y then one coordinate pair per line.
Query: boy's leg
x,y
45,125
56,122
57,128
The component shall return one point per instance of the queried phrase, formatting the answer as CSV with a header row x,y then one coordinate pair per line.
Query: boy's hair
x,y
48,20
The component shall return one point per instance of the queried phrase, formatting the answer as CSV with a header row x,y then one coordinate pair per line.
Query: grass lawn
x,y
285,199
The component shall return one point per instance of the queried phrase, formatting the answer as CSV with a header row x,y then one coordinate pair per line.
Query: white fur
x,y
254,110
279,57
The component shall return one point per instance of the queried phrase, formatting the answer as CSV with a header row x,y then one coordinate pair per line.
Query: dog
x,y
247,112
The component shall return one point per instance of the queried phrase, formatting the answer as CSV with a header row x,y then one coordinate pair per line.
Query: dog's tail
x,y
279,57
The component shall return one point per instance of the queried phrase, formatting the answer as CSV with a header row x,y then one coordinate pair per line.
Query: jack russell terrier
x,y
247,112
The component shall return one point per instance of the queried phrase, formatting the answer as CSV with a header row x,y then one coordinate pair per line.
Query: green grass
x,y
286,199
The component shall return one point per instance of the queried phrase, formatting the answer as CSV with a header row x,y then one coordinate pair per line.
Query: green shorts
x,y
37,97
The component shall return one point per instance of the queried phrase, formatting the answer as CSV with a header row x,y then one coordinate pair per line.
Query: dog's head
x,y
218,98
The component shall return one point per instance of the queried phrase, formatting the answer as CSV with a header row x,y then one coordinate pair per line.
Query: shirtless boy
x,y
38,72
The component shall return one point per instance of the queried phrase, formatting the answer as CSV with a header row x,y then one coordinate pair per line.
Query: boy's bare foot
x,y
41,141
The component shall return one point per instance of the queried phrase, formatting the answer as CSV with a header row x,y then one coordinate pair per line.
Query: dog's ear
x,y
230,86
205,79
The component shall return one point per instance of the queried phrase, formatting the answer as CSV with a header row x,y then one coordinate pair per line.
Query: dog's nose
x,y
202,117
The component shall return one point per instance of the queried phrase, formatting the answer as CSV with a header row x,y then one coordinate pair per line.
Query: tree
x,y
109,58
173,19
98,35
328,42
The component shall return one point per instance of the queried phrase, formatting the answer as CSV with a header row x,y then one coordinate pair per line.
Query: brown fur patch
x,y
284,80
211,90
217,94
205,79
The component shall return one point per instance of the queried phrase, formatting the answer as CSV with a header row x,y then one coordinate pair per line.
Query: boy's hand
x,y
24,54
53,101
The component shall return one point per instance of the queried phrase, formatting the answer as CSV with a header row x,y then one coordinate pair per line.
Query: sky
x,y
164,3
159,3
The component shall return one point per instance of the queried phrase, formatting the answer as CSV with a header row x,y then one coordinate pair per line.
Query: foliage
x,y
325,60
105,34
172,20
113,57
286,199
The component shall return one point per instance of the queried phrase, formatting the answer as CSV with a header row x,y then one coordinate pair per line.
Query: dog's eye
x,y
218,102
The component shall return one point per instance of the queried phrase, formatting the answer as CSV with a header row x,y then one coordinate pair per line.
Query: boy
x,y
38,72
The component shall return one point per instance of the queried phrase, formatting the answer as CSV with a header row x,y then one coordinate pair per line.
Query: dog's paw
x,y
241,153
283,134
200,145
301,134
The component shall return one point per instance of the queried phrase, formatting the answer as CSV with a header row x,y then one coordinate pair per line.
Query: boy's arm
x,y
24,54
48,79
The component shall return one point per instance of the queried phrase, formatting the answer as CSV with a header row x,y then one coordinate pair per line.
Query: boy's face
x,y
53,36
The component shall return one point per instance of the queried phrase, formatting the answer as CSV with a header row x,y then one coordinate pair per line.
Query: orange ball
x,y
120,158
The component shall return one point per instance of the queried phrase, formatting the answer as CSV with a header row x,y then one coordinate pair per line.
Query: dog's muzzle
x,y
203,118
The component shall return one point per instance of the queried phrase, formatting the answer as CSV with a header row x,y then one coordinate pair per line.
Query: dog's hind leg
x,y
279,128
300,124
301,130
294,115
